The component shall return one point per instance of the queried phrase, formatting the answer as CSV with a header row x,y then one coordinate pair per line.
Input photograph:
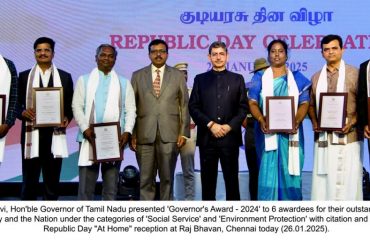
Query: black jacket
x,y
361,105
218,97
67,84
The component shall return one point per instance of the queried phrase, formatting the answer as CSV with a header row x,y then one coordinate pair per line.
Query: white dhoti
x,y
343,178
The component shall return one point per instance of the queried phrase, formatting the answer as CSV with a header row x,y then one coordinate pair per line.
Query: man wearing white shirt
x,y
91,104
162,124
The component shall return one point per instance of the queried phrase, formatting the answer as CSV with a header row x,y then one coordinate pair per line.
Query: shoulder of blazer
x,y
234,74
62,72
24,73
9,63
141,70
203,75
169,68
364,64
172,70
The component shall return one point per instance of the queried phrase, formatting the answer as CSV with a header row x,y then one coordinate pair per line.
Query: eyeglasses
x,y
40,50
160,51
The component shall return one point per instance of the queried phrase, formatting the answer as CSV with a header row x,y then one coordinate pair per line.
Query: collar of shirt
x,y
103,76
222,72
154,73
45,76
333,71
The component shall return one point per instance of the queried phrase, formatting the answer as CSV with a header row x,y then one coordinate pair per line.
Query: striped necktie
x,y
157,83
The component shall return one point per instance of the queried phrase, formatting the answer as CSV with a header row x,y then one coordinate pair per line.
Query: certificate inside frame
x,y
269,117
343,111
2,108
119,156
61,107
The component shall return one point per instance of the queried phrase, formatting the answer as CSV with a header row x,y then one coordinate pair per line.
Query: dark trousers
x,y
252,163
229,159
50,167
88,175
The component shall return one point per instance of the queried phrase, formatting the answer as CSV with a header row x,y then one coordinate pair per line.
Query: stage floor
x,y
243,186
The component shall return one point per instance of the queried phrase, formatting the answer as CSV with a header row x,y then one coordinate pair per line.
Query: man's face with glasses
x,y
158,55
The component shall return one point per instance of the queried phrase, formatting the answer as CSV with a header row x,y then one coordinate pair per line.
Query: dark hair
x,y
282,42
217,44
106,45
331,37
156,42
44,40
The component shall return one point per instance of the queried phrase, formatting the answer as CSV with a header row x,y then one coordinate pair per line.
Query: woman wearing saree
x,y
280,155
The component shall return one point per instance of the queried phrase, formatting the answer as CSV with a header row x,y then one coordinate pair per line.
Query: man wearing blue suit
x,y
218,107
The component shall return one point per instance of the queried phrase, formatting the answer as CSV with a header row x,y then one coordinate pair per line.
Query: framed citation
x,y
106,147
332,111
280,114
48,104
2,108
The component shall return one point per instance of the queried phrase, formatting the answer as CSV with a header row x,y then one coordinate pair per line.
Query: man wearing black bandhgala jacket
x,y
218,107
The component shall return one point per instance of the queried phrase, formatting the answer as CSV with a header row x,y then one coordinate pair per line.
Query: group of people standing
x,y
337,172
154,109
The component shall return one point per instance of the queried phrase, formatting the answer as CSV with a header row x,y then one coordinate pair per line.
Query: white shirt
x,y
154,73
45,76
